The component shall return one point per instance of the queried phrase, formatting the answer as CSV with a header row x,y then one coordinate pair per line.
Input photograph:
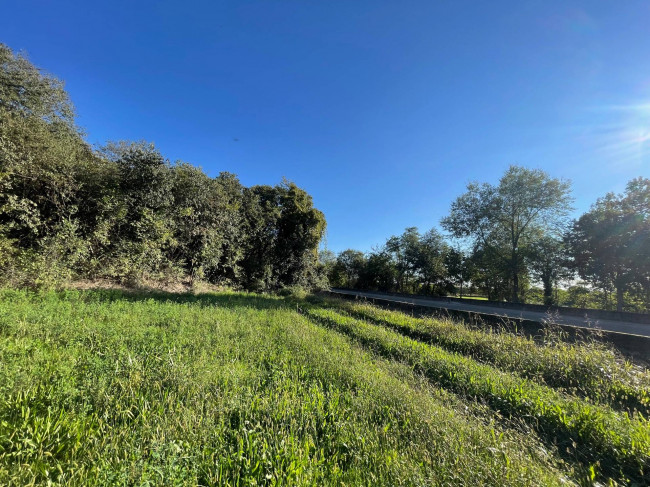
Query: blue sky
x,y
383,111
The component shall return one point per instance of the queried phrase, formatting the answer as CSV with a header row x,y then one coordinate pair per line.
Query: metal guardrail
x,y
634,346
595,314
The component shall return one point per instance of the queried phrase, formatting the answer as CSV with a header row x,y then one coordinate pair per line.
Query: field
x,y
122,388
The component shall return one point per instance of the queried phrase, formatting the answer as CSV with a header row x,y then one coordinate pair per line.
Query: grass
x,y
588,369
109,387
599,438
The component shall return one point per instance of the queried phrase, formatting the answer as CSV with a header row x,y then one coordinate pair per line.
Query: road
x,y
609,325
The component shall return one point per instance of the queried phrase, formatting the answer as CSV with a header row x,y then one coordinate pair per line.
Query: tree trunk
x,y
619,298
461,288
548,290
515,287
515,277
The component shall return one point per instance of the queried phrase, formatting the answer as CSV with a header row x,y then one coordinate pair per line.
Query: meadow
x,y
112,387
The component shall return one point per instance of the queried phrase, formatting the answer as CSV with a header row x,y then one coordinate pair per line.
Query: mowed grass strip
x,y
609,443
585,369
122,389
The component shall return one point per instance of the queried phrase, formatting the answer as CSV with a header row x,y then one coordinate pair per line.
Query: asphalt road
x,y
609,325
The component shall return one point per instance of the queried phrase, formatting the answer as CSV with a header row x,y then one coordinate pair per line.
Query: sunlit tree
x,y
505,220
610,244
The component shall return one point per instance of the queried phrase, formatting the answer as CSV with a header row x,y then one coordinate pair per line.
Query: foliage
x,y
348,269
505,220
410,262
548,262
125,212
609,244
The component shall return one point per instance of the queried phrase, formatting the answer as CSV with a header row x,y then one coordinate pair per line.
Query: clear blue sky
x,y
382,110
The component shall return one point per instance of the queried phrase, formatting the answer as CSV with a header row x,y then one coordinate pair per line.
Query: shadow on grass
x,y
207,300
570,443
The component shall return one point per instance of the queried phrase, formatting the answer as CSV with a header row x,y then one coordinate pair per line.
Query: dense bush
x,y
125,212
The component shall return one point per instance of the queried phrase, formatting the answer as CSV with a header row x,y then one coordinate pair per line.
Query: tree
x,y
349,268
460,267
200,234
505,220
42,159
261,212
489,274
300,230
379,272
282,233
404,250
326,263
609,243
548,263
126,212
430,263
29,92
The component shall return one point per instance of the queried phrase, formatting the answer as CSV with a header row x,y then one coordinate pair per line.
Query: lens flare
x,y
621,133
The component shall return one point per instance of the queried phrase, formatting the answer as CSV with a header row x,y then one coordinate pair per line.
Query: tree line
x,y
515,242
125,212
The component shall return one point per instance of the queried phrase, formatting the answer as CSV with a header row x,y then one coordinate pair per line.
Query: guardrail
x,y
634,346
594,314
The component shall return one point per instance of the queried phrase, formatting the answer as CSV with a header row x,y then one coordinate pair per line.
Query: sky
x,y
382,110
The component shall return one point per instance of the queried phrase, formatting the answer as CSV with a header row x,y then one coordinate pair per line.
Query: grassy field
x,y
120,388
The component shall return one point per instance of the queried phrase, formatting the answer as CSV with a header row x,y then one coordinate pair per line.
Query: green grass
x,y
598,437
115,388
586,369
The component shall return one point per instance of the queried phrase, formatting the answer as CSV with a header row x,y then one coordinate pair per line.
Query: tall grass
x,y
587,369
109,388
610,444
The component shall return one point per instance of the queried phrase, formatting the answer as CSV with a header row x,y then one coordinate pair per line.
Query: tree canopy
x,y
126,212
506,220
610,244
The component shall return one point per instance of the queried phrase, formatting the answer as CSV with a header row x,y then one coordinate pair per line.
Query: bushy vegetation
x,y
125,212
115,387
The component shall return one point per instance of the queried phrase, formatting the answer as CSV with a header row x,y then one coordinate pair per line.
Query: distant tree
x,y
460,268
609,243
581,295
548,263
489,274
326,262
405,252
349,268
505,220
430,263
379,272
